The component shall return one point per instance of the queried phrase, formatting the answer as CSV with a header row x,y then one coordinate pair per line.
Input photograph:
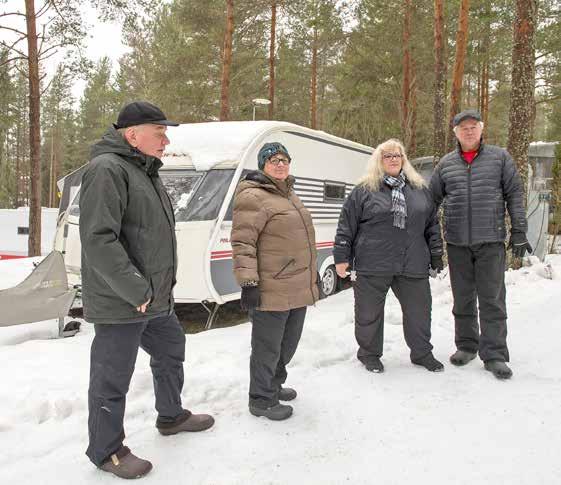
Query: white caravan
x,y
202,166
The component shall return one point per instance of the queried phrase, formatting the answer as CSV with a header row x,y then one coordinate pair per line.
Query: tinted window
x,y
180,186
197,196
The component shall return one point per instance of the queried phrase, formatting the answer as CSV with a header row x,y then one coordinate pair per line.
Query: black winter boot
x,y
278,412
462,357
499,369
287,394
429,363
372,364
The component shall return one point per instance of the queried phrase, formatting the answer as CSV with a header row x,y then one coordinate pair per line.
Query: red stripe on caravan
x,y
11,256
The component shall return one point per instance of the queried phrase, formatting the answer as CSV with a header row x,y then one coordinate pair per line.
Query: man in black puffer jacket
x,y
127,231
475,183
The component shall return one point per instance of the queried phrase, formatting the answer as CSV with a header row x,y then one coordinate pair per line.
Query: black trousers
x,y
477,274
274,339
113,356
416,304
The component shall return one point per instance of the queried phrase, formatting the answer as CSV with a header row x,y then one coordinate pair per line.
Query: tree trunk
x,y
457,79
406,82
313,88
18,170
227,62
484,99
272,59
522,90
34,242
439,143
412,145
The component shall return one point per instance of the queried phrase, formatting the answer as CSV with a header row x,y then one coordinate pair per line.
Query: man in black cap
x,y
476,182
129,262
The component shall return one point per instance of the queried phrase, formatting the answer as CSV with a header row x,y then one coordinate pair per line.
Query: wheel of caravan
x,y
329,281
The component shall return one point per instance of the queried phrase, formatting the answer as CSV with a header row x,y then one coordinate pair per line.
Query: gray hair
x,y
456,127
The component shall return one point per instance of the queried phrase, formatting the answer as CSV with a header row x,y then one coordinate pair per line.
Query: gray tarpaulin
x,y
43,295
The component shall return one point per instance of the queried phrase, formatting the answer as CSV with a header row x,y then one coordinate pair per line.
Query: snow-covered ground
x,y
405,426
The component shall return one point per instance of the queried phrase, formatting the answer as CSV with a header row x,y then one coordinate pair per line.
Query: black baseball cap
x,y
141,113
465,115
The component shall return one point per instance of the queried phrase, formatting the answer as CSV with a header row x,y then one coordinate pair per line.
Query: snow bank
x,y
349,426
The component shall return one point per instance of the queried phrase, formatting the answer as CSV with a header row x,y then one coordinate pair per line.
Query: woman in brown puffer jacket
x,y
274,249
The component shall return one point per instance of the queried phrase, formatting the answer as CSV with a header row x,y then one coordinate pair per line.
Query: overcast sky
x,y
104,39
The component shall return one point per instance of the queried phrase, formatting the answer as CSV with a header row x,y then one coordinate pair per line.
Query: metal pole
x,y
254,106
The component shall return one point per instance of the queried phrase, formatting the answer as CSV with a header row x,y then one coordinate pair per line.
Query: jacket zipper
x,y
469,205
469,190
309,246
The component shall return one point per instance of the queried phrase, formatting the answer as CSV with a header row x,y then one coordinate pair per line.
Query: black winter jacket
x,y
127,230
367,239
475,194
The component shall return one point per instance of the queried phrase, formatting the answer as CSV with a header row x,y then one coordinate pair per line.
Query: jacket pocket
x,y
279,274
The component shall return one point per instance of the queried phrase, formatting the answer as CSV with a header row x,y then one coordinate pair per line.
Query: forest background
x,y
366,70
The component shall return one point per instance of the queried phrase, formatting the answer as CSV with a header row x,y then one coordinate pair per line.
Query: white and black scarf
x,y
399,207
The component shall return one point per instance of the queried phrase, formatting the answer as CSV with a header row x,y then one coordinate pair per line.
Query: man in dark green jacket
x,y
129,262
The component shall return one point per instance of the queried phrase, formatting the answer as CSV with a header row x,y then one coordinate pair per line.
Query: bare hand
x,y
142,308
341,269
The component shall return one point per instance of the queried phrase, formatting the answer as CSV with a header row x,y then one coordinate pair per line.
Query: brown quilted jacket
x,y
273,242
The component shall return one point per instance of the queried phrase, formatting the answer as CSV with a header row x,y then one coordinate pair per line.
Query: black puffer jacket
x,y
127,230
475,194
367,238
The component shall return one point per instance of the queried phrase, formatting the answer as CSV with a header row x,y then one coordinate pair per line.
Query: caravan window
x,y
196,196
180,186
333,191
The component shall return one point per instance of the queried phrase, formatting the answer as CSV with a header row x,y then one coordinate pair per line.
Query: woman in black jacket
x,y
389,234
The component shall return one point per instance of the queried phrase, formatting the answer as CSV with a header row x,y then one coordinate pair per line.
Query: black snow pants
x,y
274,339
416,303
113,356
477,275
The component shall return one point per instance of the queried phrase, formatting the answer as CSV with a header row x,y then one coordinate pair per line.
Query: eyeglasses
x,y
389,156
276,161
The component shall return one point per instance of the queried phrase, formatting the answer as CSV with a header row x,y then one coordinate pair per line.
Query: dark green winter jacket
x,y
127,230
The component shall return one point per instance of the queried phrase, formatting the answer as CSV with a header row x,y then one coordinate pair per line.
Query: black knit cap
x,y
465,115
141,113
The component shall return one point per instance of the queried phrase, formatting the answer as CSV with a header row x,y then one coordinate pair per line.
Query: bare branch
x,y
5,14
11,59
12,48
42,37
43,9
41,55
23,34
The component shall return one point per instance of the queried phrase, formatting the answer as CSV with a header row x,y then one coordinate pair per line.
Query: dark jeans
x,y
416,303
477,274
274,339
113,356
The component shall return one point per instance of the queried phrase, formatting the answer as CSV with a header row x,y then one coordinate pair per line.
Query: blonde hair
x,y
374,175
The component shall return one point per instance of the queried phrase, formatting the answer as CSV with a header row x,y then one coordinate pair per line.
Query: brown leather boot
x,y
126,465
185,422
